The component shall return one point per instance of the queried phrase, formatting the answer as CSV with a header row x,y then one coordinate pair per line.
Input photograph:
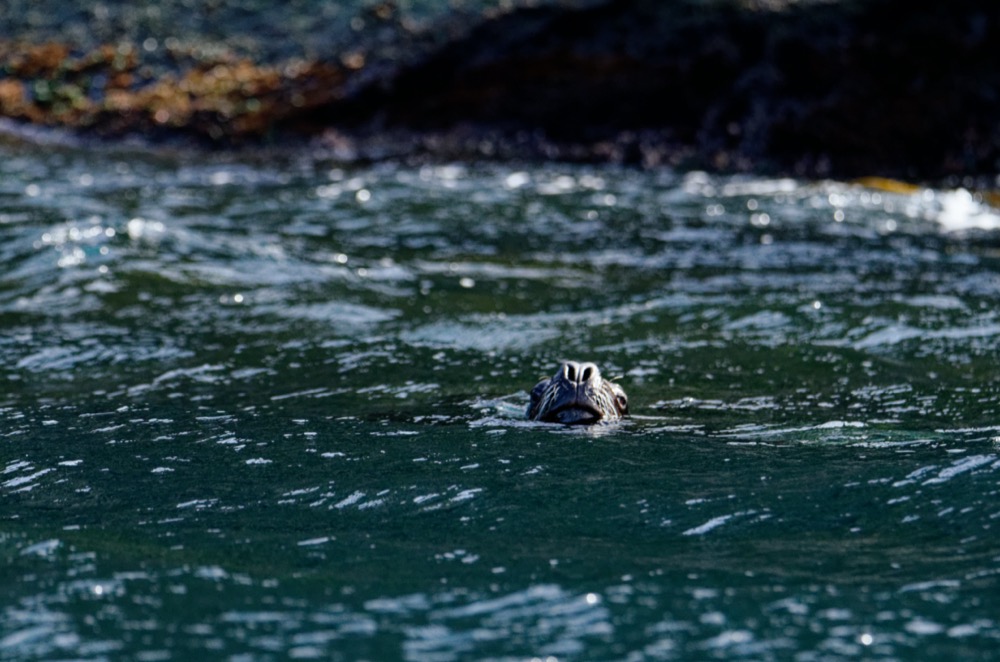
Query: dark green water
x,y
272,410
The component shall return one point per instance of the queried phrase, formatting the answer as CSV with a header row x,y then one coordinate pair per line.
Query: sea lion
x,y
577,395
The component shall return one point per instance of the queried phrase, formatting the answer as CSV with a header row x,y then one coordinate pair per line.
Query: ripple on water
x,y
482,334
255,384
337,313
545,619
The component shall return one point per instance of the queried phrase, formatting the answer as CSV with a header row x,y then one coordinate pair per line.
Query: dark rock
x,y
895,87
907,88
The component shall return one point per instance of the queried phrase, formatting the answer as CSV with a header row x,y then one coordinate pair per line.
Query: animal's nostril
x,y
569,370
589,372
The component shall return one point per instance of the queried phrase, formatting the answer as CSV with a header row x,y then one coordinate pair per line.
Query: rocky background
x,y
901,88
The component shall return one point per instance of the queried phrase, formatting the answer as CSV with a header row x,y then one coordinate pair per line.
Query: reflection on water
x,y
275,410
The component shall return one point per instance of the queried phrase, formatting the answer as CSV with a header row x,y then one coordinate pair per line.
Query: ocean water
x,y
273,409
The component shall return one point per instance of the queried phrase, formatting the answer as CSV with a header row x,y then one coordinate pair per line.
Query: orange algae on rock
x,y
12,97
33,60
110,91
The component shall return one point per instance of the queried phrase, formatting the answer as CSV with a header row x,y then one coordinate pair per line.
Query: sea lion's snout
x,y
577,395
578,373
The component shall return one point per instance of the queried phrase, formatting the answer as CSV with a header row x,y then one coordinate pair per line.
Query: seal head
x,y
577,395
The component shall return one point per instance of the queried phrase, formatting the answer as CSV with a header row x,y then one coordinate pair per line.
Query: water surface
x,y
272,409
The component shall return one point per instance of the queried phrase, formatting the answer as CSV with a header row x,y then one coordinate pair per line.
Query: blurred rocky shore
x,y
902,88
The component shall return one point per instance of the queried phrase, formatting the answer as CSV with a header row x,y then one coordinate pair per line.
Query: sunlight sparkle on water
x,y
336,388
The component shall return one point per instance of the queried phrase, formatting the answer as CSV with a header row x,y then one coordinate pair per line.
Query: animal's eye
x,y
622,401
